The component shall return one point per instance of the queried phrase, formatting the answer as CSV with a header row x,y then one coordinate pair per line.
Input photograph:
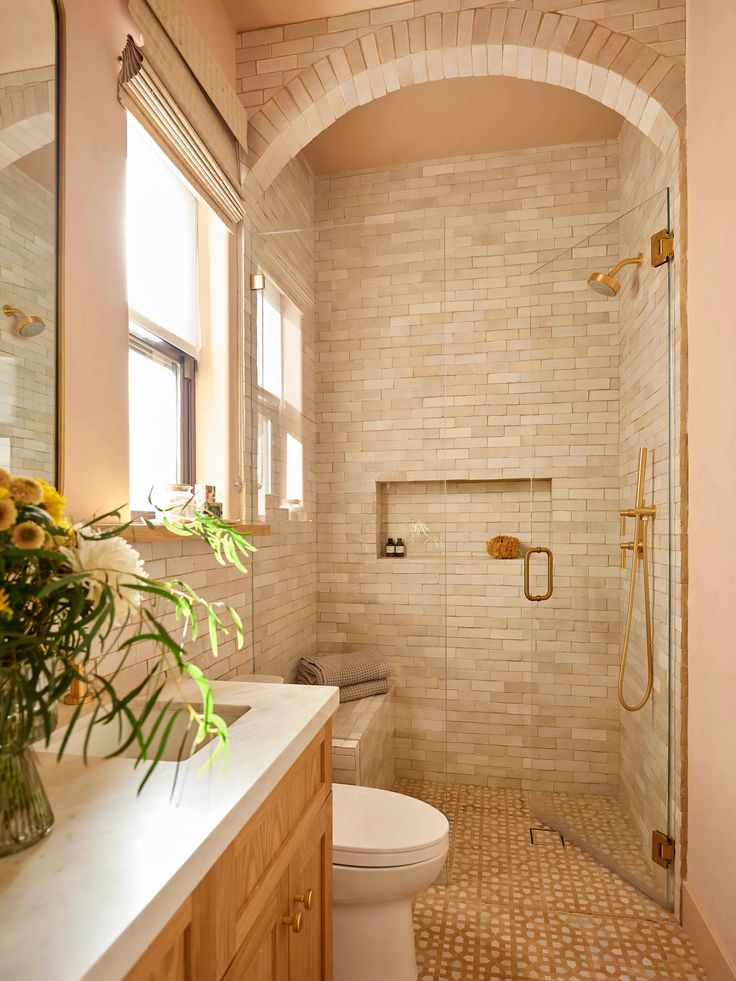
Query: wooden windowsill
x,y
159,533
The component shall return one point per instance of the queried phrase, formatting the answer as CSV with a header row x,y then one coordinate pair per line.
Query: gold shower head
x,y
27,326
606,283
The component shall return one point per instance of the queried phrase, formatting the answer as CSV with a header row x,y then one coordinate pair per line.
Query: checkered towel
x,y
342,670
364,689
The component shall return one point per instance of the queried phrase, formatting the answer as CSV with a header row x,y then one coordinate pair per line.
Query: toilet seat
x,y
380,829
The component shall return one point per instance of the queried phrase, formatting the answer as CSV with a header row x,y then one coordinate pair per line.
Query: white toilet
x,y
386,848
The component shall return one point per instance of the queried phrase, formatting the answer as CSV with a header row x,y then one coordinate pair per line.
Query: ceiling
x,y
250,15
459,117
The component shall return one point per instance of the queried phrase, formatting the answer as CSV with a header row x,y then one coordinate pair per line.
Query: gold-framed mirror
x,y
30,371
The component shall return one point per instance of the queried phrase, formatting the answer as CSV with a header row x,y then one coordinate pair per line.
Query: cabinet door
x,y
310,886
264,954
169,956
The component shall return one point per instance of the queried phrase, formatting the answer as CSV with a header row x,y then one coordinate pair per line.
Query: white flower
x,y
108,562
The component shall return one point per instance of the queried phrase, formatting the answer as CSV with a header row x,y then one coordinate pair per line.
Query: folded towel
x,y
342,669
364,689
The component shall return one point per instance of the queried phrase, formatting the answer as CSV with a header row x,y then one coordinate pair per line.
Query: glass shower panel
x,y
602,360
488,524
368,333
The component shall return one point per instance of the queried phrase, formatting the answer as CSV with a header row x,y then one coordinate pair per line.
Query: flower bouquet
x,y
69,595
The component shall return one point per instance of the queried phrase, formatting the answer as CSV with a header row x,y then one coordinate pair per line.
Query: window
x,y
264,466
294,472
280,452
177,298
269,345
279,345
160,391
161,239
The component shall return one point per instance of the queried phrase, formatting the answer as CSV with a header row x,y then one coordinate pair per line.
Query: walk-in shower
x,y
465,383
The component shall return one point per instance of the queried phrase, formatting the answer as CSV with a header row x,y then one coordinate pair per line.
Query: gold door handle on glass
x,y
536,550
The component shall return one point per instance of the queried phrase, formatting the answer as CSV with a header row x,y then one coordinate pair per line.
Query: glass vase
x,y
25,813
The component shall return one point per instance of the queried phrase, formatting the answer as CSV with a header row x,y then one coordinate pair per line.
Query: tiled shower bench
x,y
363,742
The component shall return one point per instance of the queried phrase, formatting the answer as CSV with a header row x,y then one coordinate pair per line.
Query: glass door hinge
x,y
663,849
663,247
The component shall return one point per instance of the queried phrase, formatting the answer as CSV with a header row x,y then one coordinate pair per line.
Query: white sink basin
x,y
106,738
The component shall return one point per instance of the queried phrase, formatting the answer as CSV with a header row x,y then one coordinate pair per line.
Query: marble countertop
x,y
87,900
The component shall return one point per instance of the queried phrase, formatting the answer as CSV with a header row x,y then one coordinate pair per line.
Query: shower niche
x,y
458,517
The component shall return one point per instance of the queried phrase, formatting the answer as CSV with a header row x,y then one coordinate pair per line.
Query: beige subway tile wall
x,y
408,403
269,59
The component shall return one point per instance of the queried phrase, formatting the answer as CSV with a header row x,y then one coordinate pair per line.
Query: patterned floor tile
x,y
509,908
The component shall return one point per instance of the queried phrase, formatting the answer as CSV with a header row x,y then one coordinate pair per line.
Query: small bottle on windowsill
x,y
400,548
390,550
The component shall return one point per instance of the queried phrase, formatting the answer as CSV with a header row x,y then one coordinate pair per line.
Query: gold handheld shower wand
x,y
639,548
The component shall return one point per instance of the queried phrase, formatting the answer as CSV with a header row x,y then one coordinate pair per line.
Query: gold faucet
x,y
639,548
79,689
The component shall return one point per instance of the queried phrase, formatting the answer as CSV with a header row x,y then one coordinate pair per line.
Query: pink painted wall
x,y
711,160
94,295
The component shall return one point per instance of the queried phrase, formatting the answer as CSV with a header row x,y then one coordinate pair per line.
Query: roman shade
x,y
177,91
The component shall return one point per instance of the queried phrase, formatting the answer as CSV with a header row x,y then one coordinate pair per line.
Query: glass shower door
x,y
602,754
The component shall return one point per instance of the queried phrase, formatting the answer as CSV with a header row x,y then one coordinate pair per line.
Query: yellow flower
x,y
8,514
26,490
66,532
4,603
4,492
28,535
5,477
52,501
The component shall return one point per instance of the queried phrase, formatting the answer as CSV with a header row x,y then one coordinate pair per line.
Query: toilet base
x,y
374,942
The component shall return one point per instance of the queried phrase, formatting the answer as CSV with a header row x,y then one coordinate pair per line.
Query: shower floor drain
x,y
545,831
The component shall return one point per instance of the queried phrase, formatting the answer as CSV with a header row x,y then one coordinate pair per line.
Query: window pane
x,y
155,436
264,462
269,342
294,469
161,238
292,356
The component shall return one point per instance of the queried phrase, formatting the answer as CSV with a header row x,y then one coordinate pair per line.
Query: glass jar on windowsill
x,y
173,501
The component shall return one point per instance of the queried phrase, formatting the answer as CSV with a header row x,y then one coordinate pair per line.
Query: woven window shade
x,y
159,85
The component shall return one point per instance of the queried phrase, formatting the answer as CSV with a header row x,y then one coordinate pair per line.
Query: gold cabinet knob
x,y
306,899
295,921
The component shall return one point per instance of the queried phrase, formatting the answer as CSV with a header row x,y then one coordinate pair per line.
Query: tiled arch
x,y
647,88
27,120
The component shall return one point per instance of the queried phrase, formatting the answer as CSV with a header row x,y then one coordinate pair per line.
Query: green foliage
x,y
57,621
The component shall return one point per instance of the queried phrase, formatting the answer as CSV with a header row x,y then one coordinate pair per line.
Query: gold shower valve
x,y
625,547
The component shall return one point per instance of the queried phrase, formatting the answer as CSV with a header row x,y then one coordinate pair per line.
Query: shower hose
x,y
629,618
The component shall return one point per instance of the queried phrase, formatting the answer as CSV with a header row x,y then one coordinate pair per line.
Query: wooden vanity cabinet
x,y
264,911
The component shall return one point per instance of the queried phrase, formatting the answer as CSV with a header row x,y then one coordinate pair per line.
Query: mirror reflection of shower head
x,y
606,283
27,326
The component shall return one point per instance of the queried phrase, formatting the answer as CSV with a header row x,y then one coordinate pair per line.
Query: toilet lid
x,y
379,829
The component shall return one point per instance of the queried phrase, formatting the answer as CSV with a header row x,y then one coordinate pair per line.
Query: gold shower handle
x,y
536,550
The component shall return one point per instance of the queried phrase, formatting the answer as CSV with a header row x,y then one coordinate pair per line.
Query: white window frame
x,y
188,406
